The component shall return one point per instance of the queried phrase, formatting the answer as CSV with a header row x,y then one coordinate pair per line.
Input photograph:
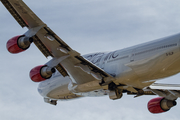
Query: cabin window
x,y
165,46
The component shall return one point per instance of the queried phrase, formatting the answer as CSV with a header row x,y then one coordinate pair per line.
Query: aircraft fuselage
x,y
136,67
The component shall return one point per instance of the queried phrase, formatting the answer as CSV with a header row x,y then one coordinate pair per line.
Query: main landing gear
x,y
115,93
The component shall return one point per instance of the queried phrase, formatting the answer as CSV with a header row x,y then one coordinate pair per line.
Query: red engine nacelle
x,y
18,43
41,73
160,105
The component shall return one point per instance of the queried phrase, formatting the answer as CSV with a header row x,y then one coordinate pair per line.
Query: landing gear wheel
x,y
53,102
115,93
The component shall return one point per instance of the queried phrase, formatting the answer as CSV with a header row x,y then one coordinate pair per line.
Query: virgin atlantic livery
x,y
70,75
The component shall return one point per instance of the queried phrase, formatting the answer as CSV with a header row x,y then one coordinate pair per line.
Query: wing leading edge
x,y
168,91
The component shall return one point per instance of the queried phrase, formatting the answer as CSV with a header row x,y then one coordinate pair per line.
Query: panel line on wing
x,y
13,12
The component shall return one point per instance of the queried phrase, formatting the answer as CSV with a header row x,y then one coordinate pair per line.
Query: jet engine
x,y
19,43
160,105
41,73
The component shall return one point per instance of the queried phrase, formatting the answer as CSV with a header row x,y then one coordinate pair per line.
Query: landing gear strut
x,y
52,102
115,93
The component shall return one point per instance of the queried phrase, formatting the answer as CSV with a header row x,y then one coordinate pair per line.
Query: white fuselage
x,y
136,67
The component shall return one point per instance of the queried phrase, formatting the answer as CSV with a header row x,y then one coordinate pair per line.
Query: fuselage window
x,y
171,45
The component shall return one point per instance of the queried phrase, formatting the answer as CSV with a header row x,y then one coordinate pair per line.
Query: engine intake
x,y
160,105
41,73
19,43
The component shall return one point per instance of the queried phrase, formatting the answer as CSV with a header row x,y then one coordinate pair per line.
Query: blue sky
x,y
86,26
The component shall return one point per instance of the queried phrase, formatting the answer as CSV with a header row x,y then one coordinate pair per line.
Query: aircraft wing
x,y
165,86
66,60
169,91
22,13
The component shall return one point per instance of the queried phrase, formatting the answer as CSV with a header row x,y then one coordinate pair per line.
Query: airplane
x,y
70,75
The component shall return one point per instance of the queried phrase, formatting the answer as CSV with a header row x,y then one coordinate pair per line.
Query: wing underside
x,y
22,13
169,91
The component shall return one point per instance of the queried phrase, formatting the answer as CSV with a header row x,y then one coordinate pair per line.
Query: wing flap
x,y
41,47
